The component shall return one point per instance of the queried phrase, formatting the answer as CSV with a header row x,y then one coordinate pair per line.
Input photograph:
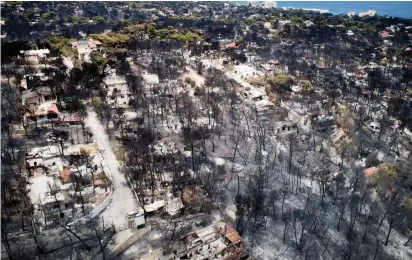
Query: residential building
x,y
218,241
53,205
44,160
246,71
367,13
270,4
31,80
297,113
285,127
44,113
350,33
151,83
36,97
267,25
84,48
308,23
254,3
173,206
35,56
118,94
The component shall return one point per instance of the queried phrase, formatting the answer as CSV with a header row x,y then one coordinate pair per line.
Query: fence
x,y
131,240
132,188
92,214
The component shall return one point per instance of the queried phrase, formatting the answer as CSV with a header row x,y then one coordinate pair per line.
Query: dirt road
x,y
123,200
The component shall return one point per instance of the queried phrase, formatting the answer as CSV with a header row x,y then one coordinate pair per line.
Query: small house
x,y
118,93
84,48
35,56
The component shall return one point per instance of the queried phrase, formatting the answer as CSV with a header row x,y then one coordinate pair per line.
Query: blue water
x,y
382,8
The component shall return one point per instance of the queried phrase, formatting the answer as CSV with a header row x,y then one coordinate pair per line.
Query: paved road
x,y
123,200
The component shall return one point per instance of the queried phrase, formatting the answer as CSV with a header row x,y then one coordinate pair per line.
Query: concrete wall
x,y
137,233
92,214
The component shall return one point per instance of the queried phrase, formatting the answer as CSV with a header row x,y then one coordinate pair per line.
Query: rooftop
x,y
36,52
86,43
156,205
174,205
35,93
46,108
151,78
46,198
112,80
230,233
370,171
231,45
44,151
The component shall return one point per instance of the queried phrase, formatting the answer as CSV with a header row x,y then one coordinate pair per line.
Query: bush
x,y
273,97
96,101
118,151
258,81
281,82
306,85
344,119
199,91
386,177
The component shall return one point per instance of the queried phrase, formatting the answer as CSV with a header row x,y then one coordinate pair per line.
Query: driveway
x,y
123,200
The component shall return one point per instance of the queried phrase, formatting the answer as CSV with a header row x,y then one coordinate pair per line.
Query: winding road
x,y
122,200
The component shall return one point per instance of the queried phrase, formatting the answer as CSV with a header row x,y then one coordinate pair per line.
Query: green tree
x,y
386,176
281,83
71,19
305,84
83,19
49,16
99,19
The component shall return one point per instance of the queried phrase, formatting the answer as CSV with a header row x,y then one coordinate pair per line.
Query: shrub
x,y
306,85
281,83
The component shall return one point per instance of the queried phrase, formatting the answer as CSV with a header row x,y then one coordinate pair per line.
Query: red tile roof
x,y
65,175
231,45
53,109
370,171
232,235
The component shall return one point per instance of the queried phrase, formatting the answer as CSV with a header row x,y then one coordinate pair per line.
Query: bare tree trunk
x,y
409,239
6,243
100,244
387,211
342,211
74,234
391,222
284,231
376,250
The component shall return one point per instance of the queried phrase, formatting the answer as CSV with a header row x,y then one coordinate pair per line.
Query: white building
x,y
375,127
151,79
28,78
308,23
254,3
351,14
46,159
247,71
84,48
367,13
118,93
35,56
350,33
270,4
267,25
283,22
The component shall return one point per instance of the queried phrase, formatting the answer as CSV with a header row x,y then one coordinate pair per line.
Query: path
x,y
68,63
123,200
